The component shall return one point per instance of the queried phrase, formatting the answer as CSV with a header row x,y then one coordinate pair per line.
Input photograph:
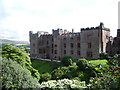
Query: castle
x,y
88,43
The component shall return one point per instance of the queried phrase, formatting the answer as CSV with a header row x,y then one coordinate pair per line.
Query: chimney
x,y
118,32
72,30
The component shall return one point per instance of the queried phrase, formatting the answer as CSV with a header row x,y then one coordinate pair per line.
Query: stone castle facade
x,y
113,46
88,43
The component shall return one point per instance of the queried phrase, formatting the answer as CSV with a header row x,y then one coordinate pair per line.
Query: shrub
x,y
108,77
72,71
63,84
82,64
45,77
57,74
67,60
68,72
104,55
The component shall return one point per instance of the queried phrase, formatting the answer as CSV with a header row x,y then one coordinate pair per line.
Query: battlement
x,y
89,28
38,33
100,27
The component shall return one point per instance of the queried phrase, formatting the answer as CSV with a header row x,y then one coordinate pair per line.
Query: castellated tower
x,y
85,44
33,43
94,40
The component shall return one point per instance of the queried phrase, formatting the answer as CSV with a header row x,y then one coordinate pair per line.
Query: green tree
x,y
16,76
67,60
21,57
85,70
82,64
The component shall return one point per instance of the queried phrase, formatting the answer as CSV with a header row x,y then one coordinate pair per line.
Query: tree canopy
x,y
16,76
21,57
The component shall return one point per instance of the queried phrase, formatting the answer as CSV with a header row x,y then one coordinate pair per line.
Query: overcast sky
x,y
18,17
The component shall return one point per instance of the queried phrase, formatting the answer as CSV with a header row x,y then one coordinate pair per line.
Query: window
x,y
47,42
72,52
107,37
78,52
78,45
64,38
78,38
64,51
89,45
52,45
55,45
71,45
40,50
89,54
71,38
64,45
52,51
44,51
52,39
55,51
33,44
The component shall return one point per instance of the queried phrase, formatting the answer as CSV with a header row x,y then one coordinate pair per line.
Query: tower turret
x,y
118,32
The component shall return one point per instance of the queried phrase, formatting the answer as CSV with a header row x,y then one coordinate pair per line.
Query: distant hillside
x,y
14,43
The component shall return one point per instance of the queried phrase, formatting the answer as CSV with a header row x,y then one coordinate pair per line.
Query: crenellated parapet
x,y
100,27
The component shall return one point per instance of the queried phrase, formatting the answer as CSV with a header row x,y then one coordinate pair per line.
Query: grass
x,y
48,66
44,66
98,61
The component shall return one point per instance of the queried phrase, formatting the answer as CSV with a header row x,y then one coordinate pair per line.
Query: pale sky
x,y
18,17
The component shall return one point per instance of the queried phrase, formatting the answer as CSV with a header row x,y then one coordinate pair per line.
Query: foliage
x,y
45,77
16,76
27,50
69,72
65,72
85,70
82,64
44,66
63,84
107,77
67,60
104,55
20,56
57,74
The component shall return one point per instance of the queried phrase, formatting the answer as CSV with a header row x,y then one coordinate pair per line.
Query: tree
x,y
16,76
67,60
21,57
82,64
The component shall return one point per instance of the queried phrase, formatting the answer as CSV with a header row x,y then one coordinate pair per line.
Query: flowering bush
x,y
64,83
107,77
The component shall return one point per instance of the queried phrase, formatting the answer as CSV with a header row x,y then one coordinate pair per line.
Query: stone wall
x,y
85,44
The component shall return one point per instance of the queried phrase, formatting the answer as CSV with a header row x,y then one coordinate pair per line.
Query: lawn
x,y
98,61
48,66
44,66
